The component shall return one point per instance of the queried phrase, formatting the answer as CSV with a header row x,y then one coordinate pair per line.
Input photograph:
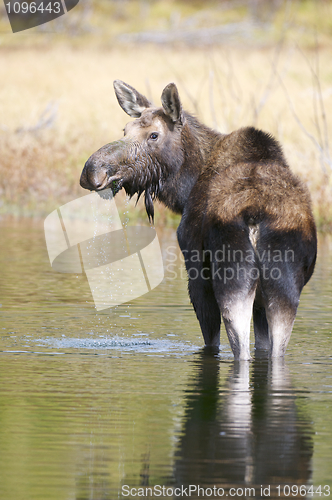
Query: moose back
x,y
247,231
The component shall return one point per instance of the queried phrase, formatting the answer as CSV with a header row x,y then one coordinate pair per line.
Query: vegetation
x,y
235,63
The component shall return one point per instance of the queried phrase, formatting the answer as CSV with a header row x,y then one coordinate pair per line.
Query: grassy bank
x,y
58,106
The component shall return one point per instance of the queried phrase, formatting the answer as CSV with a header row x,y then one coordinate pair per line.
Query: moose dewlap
x,y
247,231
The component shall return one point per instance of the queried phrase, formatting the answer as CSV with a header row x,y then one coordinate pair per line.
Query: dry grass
x,y
229,87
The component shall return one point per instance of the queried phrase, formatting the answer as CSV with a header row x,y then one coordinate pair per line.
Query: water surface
x,y
93,404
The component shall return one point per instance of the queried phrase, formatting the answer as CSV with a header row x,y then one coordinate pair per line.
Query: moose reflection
x,y
248,433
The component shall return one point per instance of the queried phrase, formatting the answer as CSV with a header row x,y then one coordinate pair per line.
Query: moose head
x,y
149,154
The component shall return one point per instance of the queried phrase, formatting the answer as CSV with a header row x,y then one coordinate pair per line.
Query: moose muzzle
x,y
102,168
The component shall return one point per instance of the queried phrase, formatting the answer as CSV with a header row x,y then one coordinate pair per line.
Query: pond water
x,y
124,402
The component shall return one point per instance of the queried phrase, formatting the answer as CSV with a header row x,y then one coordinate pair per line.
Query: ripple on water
x,y
141,344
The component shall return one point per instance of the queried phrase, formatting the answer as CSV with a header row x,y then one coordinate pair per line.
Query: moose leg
x,y
261,328
283,273
281,320
273,329
206,308
281,299
236,312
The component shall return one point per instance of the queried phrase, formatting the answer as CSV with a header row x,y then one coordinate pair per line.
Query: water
x,y
95,404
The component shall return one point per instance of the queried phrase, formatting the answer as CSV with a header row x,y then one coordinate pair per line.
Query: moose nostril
x,y
98,183
93,177
98,180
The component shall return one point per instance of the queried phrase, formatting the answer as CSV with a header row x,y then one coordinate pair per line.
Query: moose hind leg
x,y
236,312
281,321
281,300
261,328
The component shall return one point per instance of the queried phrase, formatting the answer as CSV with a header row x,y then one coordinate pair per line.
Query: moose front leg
x,y
206,307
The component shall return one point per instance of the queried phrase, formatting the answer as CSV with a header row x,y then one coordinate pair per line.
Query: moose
x,y
247,232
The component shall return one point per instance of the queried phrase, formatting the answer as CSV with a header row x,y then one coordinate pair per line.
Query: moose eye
x,y
153,136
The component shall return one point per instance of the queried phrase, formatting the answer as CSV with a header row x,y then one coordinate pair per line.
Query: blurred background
x,y
236,62
90,401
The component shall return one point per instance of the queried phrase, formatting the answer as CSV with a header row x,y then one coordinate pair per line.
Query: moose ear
x,y
171,102
131,101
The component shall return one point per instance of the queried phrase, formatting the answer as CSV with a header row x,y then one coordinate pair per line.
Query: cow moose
x,y
247,231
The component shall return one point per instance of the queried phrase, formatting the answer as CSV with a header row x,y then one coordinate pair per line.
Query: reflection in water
x,y
249,434
89,402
